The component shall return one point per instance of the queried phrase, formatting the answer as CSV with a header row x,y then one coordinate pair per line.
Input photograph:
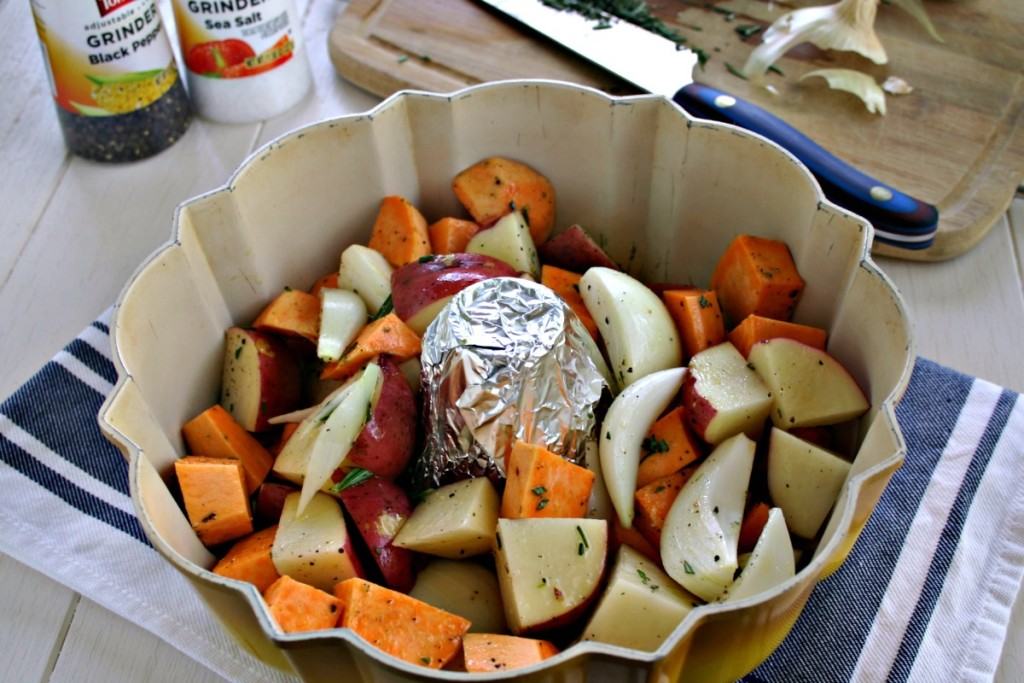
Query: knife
x,y
659,66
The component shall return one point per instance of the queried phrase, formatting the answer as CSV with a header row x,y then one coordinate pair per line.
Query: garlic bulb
x,y
855,82
847,25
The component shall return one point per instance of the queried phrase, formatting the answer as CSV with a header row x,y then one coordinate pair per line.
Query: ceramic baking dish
x,y
664,192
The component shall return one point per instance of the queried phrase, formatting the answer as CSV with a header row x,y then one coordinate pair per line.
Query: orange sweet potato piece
x,y
566,284
297,607
249,560
400,232
292,312
485,652
753,525
494,187
634,539
329,281
653,503
451,235
386,335
668,448
698,318
402,626
757,275
755,328
286,433
215,498
542,484
215,434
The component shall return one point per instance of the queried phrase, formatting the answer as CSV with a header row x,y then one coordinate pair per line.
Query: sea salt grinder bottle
x,y
245,60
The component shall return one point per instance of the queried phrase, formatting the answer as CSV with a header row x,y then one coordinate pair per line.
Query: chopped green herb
x,y
776,69
687,567
538,491
389,305
422,495
425,660
747,30
652,445
426,58
583,537
660,488
702,57
643,576
403,59
543,582
526,214
703,300
734,71
579,549
369,413
238,352
353,478
425,259
543,503
602,11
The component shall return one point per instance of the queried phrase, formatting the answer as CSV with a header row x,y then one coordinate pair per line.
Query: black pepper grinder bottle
x,y
113,77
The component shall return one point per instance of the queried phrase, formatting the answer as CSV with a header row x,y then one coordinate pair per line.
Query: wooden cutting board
x,y
957,141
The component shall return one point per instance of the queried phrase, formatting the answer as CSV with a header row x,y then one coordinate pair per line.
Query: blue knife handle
x,y
899,219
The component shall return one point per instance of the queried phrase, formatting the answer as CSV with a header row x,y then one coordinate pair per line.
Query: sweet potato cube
x,y
215,498
386,335
566,285
757,275
494,187
485,652
215,434
249,560
669,447
635,540
403,627
399,232
292,312
297,607
542,484
698,318
653,503
755,328
753,525
329,281
451,235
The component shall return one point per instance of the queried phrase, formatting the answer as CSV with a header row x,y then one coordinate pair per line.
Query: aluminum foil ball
x,y
505,360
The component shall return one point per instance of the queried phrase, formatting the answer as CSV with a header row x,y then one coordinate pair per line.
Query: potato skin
x,y
418,284
387,442
379,507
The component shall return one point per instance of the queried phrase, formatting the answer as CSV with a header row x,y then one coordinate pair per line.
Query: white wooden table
x,y
73,231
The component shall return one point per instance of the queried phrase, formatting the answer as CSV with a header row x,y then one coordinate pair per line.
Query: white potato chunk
x,y
809,386
723,396
367,273
804,480
701,532
463,588
314,548
548,569
457,520
623,429
641,605
508,240
770,563
637,329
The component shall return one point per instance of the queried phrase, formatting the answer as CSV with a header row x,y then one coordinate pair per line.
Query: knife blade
x,y
659,66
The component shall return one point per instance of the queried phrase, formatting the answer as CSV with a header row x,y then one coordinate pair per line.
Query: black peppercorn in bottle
x,y
112,74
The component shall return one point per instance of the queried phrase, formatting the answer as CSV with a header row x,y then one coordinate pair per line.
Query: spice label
x,y
104,57
235,38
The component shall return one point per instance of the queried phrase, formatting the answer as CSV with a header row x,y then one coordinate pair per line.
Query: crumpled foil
x,y
505,360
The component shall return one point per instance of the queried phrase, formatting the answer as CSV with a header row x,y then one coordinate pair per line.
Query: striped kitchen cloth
x,y
925,595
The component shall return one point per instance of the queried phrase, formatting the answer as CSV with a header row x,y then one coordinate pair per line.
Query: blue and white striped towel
x,y
925,595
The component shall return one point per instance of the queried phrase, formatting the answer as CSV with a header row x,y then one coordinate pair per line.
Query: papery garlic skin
x,y
856,83
848,25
